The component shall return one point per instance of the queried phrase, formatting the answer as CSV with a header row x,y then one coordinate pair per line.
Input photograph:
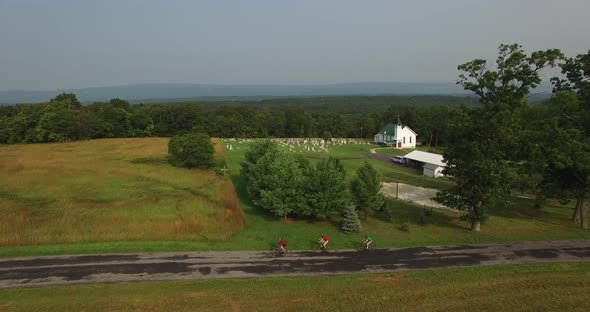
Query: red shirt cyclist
x,y
282,245
324,241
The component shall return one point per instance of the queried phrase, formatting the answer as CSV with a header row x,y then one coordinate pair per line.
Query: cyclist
x,y
324,241
368,240
282,245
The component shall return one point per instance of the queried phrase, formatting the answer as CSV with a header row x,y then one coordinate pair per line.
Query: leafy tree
x,y
568,146
193,150
250,168
93,126
281,183
140,124
432,124
58,125
118,103
297,122
365,188
269,123
476,163
4,130
484,142
351,222
516,74
22,125
116,119
326,189
67,101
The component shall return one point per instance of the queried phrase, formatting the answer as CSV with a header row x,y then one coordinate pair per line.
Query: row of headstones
x,y
319,141
230,147
301,144
315,141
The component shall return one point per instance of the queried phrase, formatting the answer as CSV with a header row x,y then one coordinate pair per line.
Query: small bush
x,y
405,226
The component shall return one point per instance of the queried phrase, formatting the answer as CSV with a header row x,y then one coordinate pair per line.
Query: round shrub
x,y
193,150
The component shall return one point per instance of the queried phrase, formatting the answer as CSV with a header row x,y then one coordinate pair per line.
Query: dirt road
x,y
120,268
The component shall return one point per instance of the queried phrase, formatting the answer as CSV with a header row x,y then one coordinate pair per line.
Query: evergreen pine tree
x,y
351,222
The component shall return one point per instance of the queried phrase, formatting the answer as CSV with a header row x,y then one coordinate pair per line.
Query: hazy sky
x,y
51,44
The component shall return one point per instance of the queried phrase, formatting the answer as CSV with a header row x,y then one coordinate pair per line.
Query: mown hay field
x,y
109,190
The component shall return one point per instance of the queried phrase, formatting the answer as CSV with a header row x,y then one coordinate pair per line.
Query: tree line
x,y
63,118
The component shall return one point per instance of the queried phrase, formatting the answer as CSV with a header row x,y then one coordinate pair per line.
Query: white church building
x,y
396,135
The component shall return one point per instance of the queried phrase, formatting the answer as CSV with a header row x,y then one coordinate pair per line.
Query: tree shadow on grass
x,y
150,161
272,246
313,244
415,215
523,208
333,221
248,207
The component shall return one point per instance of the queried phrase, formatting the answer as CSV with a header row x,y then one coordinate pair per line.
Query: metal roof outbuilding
x,y
427,158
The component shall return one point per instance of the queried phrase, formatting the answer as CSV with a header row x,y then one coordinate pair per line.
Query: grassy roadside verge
x,y
518,222
261,231
554,287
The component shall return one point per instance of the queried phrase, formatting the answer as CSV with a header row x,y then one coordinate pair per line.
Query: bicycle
x,y
364,246
277,252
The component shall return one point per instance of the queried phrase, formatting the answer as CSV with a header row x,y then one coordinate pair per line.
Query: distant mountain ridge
x,y
164,91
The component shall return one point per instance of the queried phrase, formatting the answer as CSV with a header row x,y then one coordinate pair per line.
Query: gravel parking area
x,y
419,195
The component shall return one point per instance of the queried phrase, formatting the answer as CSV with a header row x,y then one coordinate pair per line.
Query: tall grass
x,y
544,287
109,190
217,146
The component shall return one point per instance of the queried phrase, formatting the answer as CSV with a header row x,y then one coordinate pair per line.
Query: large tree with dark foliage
x,y
567,148
485,142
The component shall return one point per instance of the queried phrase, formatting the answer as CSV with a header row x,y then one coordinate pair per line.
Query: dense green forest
x,y
63,118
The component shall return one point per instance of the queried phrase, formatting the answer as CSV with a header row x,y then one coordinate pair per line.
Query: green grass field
x,y
555,287
519,222
401,152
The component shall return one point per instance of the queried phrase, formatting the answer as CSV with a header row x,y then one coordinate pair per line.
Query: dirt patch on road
x,y
419,195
